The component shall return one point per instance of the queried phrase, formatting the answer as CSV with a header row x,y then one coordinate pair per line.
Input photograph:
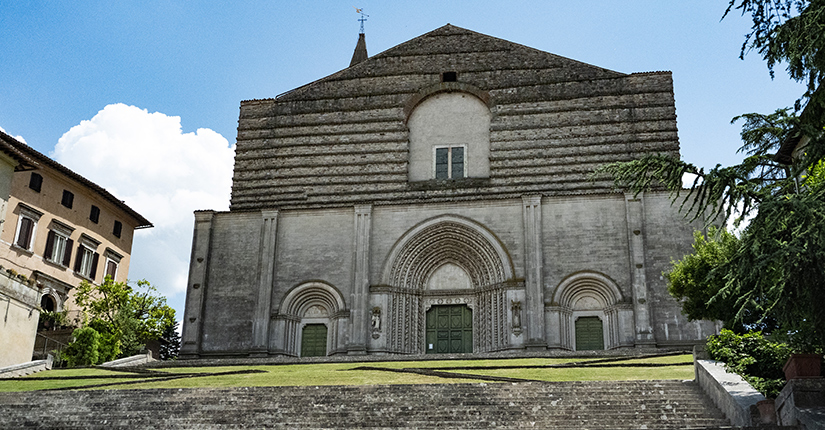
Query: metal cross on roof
x,y
363,17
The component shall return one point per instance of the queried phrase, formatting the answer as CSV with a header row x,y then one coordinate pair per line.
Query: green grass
x,y
343,374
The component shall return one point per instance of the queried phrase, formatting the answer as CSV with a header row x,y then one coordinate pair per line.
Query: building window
x,y
449,77
35,182
449,162
58,248
94,215
117,229
112,262
68,199
85,263
26,227
25,232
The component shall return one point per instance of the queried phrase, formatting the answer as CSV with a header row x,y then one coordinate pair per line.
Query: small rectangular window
x,y
118,229
442,163
86,262
58,248
449,77
68,199
449,162
111,268
457,162
94,215
25,231
36,182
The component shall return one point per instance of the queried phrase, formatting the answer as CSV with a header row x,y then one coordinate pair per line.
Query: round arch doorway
x,y
449,329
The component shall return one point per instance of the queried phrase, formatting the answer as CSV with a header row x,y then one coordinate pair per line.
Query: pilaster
x,y
196,286
359,320
266,269
534,272
636,241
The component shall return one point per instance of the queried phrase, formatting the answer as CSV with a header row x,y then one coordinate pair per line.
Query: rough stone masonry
x,y
437,198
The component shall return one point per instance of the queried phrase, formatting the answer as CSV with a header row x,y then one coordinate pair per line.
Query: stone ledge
x,y
24,369
731,394
135,360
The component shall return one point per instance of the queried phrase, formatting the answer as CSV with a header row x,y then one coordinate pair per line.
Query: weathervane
x,y
363,17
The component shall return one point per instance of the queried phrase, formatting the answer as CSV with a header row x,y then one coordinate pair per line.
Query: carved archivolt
x,y
312,297
425,249
447,239
312,302
588,294
585,288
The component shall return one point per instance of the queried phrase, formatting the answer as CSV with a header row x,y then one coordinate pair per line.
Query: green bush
x,y
758,360
84,350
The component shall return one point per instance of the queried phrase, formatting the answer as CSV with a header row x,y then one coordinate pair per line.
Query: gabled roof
x,y
38,160
9,146
459,49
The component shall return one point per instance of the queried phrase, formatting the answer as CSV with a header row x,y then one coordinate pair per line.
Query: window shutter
x,y
35,182
68,199
67,256
94,266
94,215
26,226
78,259
111,268
49,245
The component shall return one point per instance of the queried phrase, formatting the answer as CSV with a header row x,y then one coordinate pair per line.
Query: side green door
x,y
589,334
449,330
314,340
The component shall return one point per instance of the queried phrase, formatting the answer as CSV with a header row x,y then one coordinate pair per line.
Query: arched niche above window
x,y
449,137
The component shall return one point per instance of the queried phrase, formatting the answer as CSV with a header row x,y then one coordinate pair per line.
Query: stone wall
x,y
344,139
18,328
583,243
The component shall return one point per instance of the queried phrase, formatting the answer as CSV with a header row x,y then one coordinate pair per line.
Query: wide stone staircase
x,y
547,405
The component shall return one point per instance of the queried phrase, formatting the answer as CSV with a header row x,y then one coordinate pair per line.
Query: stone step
x,y
559,405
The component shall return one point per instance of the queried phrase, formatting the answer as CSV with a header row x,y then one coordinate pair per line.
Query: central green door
x,y
449,330
314,340
589,334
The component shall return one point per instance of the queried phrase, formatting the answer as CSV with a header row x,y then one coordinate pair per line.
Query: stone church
x,y
437,198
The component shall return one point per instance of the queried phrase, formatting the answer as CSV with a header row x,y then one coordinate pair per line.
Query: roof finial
x,y
362,19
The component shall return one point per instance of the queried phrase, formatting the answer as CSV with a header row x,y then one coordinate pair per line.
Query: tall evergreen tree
x,y
778,267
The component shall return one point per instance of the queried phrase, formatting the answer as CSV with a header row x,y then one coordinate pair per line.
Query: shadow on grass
x,y
139,376
449,371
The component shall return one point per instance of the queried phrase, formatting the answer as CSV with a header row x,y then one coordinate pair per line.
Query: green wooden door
x,y
449,330
314,340
589,334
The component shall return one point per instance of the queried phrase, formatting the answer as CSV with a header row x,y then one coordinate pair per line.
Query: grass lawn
x,y
668,367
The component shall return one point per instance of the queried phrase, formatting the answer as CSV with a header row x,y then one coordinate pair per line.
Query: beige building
x,y
60,229
18,300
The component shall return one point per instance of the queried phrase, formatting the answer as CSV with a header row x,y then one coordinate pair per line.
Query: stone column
x,y
266,269
359,320
534,272
636,240
196,287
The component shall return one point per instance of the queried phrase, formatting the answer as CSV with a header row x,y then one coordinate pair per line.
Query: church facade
x,y
438,198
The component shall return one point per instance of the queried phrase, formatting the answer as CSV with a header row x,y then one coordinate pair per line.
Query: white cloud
x,y
163,173
19,138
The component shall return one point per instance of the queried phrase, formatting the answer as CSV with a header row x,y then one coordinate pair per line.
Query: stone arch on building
x,y
589,295
313,303
418,272
449,132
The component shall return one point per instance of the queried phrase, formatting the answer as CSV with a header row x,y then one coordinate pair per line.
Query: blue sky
x,y
151,90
